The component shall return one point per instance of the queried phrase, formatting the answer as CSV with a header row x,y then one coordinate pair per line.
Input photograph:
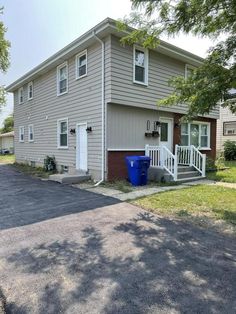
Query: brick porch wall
x,y
116,164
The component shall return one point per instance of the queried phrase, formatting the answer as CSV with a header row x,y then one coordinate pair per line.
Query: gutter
x,y
103,108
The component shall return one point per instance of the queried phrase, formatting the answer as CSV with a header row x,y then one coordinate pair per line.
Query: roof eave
x,y
107,26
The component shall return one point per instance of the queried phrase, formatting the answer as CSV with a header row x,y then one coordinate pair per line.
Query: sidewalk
x,y
143,191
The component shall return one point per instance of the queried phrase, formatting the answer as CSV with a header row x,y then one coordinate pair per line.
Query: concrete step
x,y
185,169
185,180
189,174
66,178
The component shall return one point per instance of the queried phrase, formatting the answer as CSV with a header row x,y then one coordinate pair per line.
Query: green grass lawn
x,y
228,175
202,201
7,159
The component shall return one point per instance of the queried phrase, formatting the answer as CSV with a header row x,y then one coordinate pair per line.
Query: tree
x,y
8,125
210,83
4,57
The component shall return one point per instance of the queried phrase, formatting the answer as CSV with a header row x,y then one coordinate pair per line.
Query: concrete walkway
x,y
141,192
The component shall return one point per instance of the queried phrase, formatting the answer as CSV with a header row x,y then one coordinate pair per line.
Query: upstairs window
x,y
195,133
21,134
62,133
62,79
189,69
81,64
20,95
31,133
140,66
30,91
229,128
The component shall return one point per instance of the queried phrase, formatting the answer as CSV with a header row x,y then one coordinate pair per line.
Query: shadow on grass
x,y
167,266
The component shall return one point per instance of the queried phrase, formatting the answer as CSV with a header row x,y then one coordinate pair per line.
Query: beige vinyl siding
x,y
7,142
82,103
225,116
127,127
161,69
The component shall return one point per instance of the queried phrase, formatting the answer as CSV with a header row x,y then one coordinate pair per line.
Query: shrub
x,y
50,163
210,164
220,161
230,150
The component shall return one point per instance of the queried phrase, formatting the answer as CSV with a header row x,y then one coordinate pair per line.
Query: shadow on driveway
x,y
150,265
25,200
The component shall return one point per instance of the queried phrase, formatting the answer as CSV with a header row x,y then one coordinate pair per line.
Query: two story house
x,y
95,102
226,125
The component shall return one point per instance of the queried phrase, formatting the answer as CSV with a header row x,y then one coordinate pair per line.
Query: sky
x,y
39,28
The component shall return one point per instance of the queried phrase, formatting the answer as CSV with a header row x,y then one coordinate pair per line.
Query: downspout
x,y
103,109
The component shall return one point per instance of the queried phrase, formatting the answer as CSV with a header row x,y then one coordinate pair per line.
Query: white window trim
x,y
208,147
188,66
146,63
224,127
30,84
20,140
65,64
30,125
19,92
58,133
77,77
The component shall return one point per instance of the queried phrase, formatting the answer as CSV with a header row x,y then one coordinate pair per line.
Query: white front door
x,y
81,147
166,133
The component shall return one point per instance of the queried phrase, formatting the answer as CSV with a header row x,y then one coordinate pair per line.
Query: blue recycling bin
x,y
138,169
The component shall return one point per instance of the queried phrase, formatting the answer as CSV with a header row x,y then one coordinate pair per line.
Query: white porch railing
x,y
162,157
191,156
183,154
198,161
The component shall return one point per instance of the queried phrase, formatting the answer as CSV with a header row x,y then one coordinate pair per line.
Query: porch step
x,y
188,174
182,169
69,178
185,180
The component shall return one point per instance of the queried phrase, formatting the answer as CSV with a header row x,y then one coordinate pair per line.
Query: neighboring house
x,y
95,102
7,142
226,125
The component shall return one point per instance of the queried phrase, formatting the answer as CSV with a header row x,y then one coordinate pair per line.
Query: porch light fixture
x,y
72,131
156,124
89,129
177,125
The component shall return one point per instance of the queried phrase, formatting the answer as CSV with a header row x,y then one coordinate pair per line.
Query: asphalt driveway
x,y
113,258
25,200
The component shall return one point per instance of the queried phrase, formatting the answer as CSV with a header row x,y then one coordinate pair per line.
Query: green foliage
x,y
220,161
8,125
230,150
4,56
209,83
50,163
210,164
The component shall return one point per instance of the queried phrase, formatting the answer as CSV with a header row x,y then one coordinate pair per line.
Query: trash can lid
x,y
138,158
